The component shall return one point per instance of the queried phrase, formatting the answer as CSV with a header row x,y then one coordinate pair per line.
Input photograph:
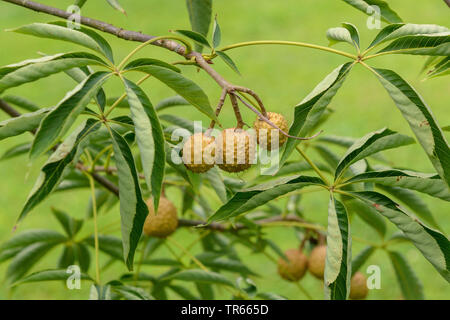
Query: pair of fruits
x,y
234,149
295,268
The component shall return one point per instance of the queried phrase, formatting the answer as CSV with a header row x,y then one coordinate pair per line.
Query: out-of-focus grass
x,y
281,75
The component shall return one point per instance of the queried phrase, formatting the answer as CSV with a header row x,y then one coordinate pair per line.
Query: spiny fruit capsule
x,y
235,150
265,132
358,287
199,153
316,262
165,222
295,269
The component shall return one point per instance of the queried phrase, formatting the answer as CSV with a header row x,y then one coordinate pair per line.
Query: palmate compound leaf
x,y
386,13
61,118
420,119
410,284
371,143
434,246
177,82
249,199
31,70
60,31
200,14
338,264
26,122
309,112
149,137
50,275
53,169
133,209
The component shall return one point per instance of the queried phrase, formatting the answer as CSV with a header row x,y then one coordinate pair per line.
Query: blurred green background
x,y
281,75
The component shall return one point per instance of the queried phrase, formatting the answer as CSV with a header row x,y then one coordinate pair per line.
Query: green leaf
x,y
442,68
361,258
31,70
428,45
398,30
150,138
53,169
434,246
200,276
200,12
58,31
195,36
412,288
50,275
143,62
26,122
131,292
226,58
386,13
67,257
430,184
110,245
226,265
308,112
26,259
116,5
249,199
181,85
217,34
338,262
15,151
371,143
133,209
368,214
21,102
60,119
412,201
71,225
171,102
183,292
82,255
420,119
270,296
216,181
347,33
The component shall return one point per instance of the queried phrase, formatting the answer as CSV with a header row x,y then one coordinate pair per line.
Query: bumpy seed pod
x,y
265,132
165,222
295,269
235,150
358,287
316,262
199,153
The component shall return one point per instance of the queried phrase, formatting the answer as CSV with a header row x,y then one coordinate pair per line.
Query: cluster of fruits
x,y
298,263
234,149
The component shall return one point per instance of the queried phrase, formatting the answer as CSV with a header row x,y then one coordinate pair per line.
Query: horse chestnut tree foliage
x,y
135,160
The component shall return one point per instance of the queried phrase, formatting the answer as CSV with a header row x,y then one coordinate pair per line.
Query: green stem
x,y
143,45
313,166
94,209
289,43
141,260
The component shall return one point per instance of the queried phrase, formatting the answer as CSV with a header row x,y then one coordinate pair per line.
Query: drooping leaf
x,y
338,264
308,112
420,119
150,138
26,122
347,33
53,169
181,85
60,119
82,255
412,288
248,199
386,13
59,31
133,209
31,70
201,276
217,34
67,257
434,246
200,12
371,143
50,275
361,258
414,202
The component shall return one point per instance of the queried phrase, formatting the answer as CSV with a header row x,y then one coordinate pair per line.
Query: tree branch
x,y
8,109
